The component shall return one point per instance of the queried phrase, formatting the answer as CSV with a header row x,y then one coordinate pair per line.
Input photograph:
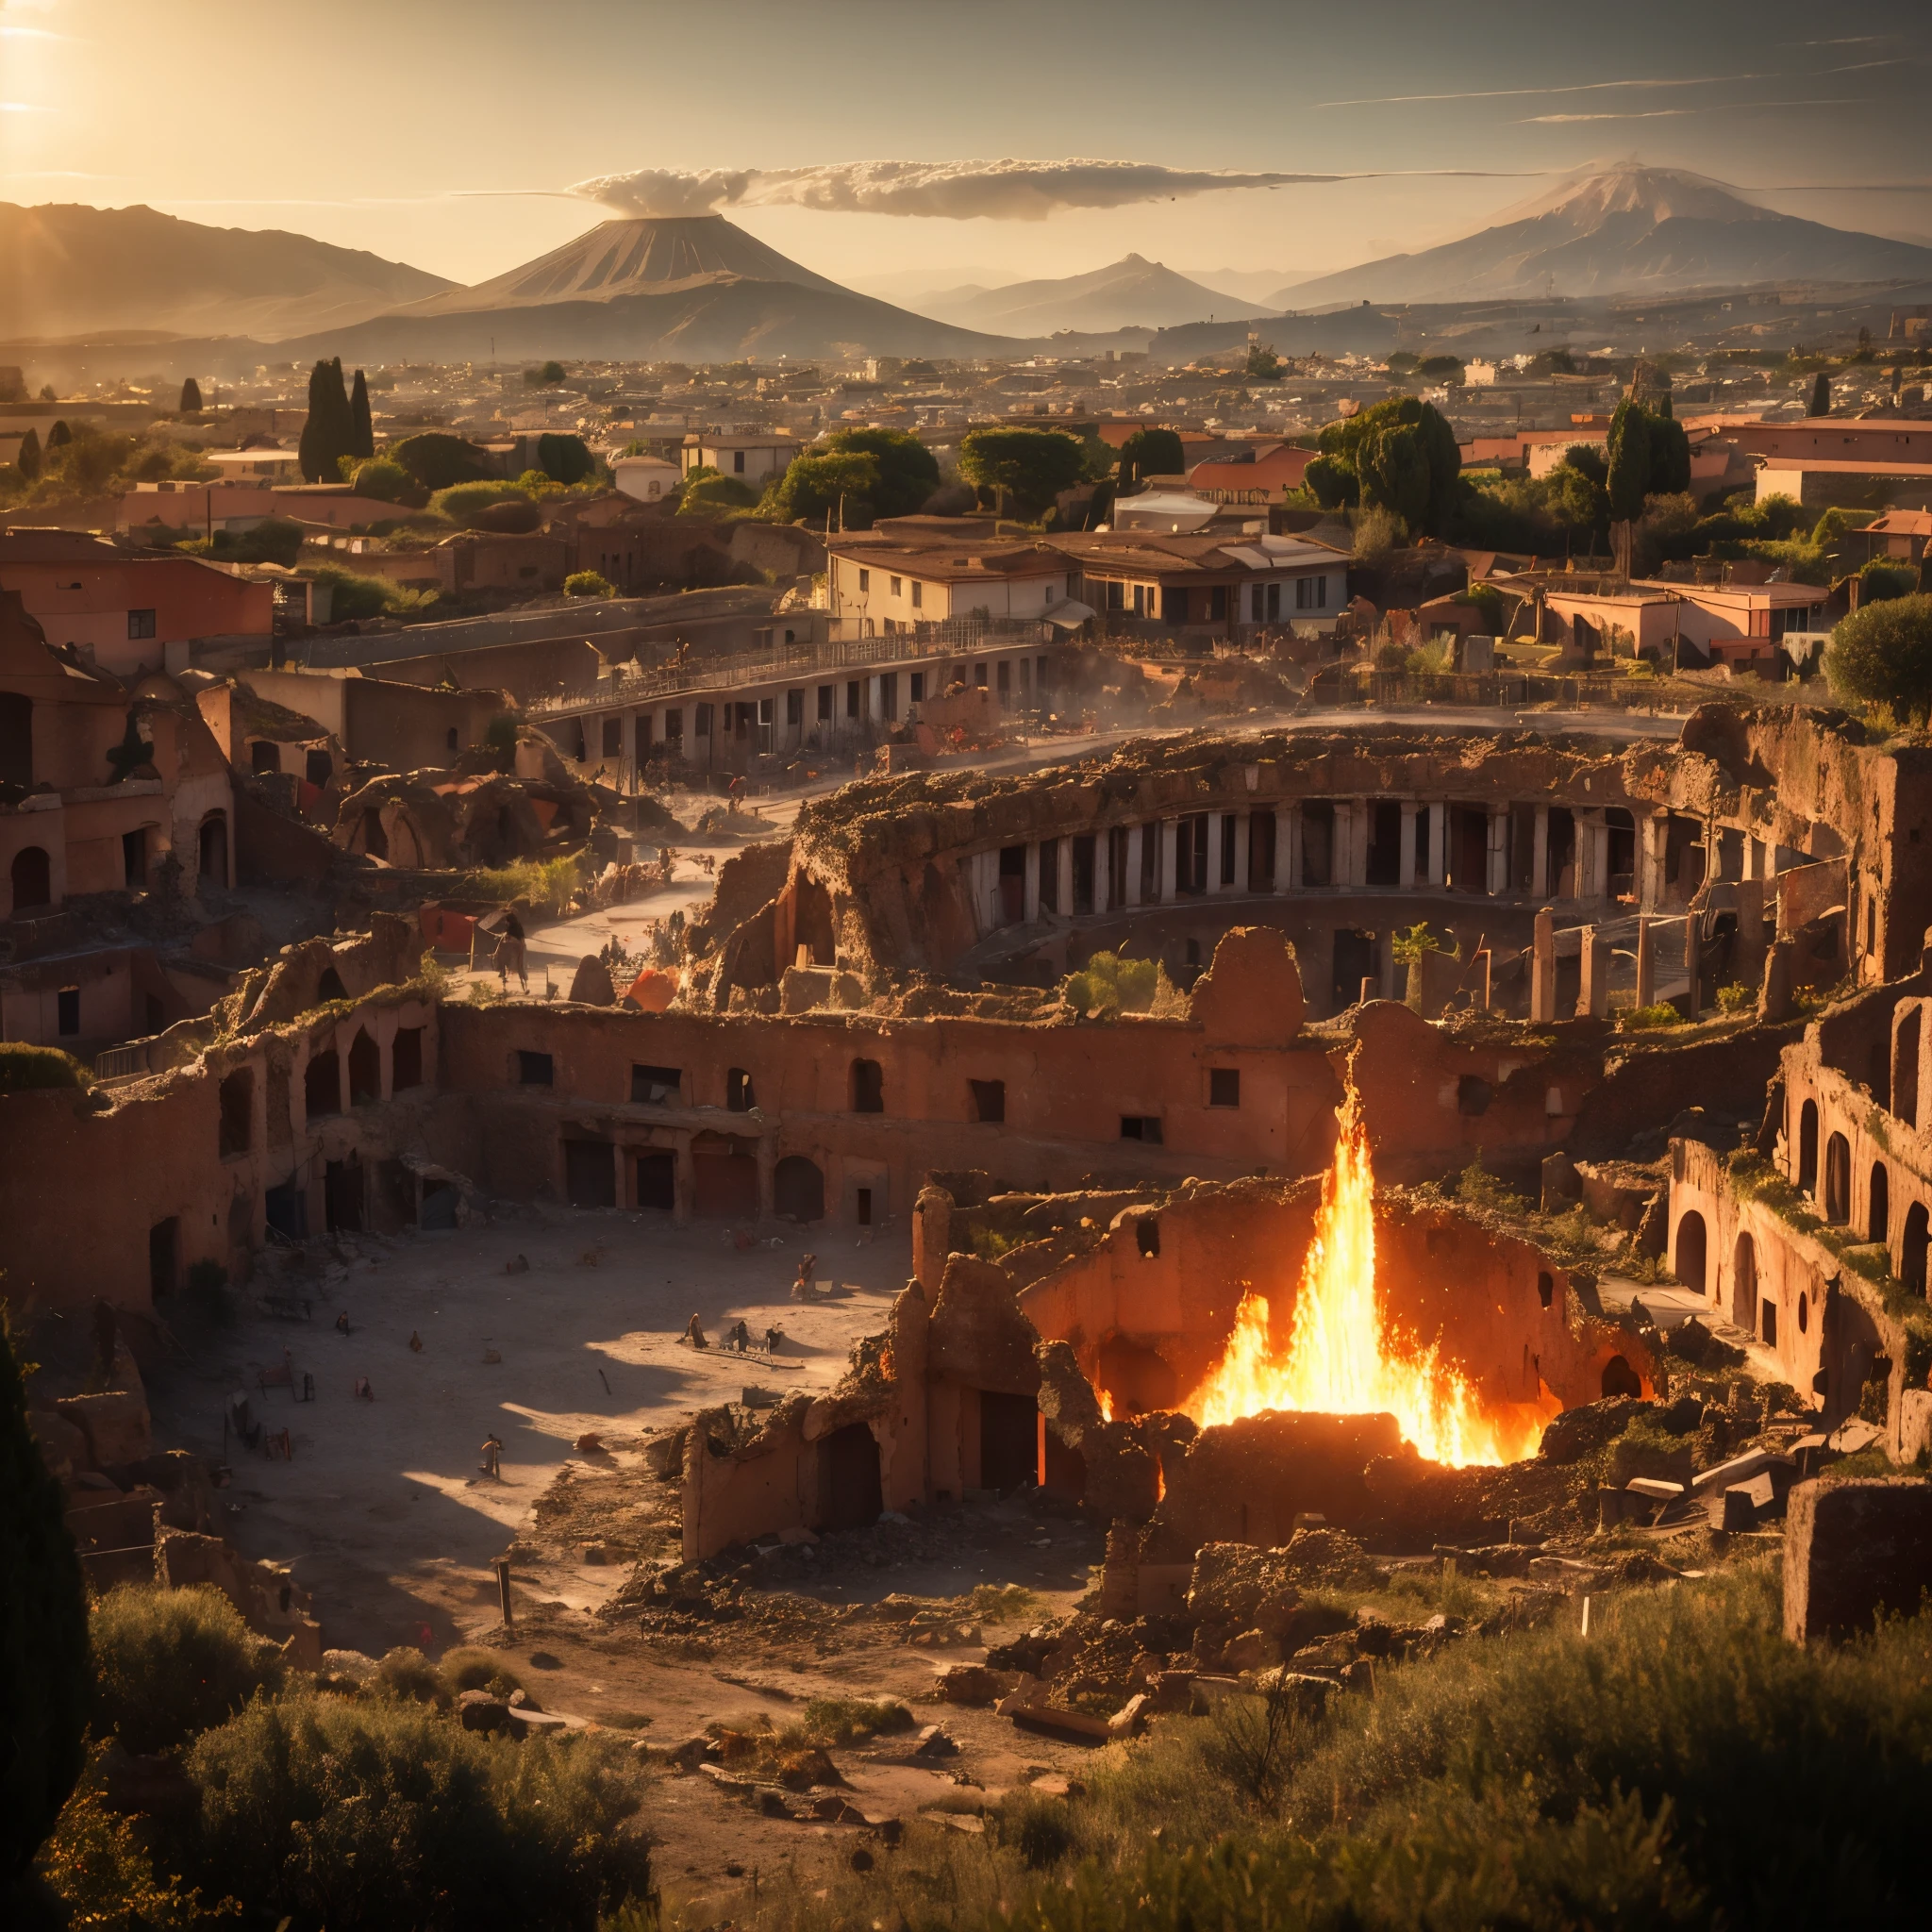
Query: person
x,y
695,1334
415,1342
513,938
492,1456
364,1392
740,1335
774,1339
342,1322
801,1290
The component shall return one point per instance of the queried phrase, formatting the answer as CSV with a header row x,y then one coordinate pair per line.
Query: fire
x,y
1344,1358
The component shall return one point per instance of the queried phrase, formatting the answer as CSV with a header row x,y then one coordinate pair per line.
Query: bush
x,y
708,493
463,502
1737,998
388,482
1036,1826
843,1720
171,1663
367,1816
1644,1018
357,596
1882,653
470,1667
25,1069
1110,984
439,461
1879,581
406,1672
587,583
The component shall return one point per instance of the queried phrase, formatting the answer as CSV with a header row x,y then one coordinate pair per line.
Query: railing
x,y
117,1062
1501,689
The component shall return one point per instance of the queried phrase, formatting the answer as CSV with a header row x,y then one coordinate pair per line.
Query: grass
x,y
537,882
171,1663
25,1069
843,1720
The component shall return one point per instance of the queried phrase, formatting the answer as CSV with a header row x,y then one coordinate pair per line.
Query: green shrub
x,y
1112,984
470,1667
388,482
463,502
406,1672
23,1068
170,1663
1036,1826
1641,1019
587,583
363,1817
1882,653
438,460
356,596
1737,998
847,1720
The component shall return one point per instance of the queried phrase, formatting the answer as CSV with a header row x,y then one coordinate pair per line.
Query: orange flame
x,y
1344,1358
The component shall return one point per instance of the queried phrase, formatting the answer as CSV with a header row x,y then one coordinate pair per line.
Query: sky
x,y
449,133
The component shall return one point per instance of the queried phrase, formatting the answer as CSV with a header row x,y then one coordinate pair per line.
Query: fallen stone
x,y
1740,1469
1579,1432
1253,1650
1852,1550
1654,1489
1128,1720
971,1684
1070,1723
934,1742
527,1720
1052,1783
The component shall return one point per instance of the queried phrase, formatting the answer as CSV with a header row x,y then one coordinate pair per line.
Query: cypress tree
x,y
45,1680
29,462
191,397
1820,395
363,426
329,431
341,419
314,428
60,434
1628,479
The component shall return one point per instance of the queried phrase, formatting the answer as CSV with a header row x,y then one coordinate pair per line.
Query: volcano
x,y
694,289
1620,230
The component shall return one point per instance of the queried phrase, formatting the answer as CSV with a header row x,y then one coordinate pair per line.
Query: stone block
x,y
970,1684
1853,1550
115,1423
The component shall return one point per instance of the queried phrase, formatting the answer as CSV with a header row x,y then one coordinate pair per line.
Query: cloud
x,y
1595,86
1672,113
1005,190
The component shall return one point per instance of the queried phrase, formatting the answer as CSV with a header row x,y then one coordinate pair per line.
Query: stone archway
x,y
1692,1251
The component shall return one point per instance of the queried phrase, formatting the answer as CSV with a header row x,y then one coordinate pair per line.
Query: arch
x,y
33,878
330,987
1838,1179
798,1188
1807,1148
322,1083
1905,1067
1879,1204
365,1070
1744,1283
1620,1378
851,1494
212,850
1911,1248
1690,1249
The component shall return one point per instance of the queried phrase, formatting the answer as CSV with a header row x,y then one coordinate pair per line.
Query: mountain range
x,y
77,270
1620,230
1132,292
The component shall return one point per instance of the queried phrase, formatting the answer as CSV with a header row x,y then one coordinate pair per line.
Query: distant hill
x,y
1621,229
694,289
1131,292
74,270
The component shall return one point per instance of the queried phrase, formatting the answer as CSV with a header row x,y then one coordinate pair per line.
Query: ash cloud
x,y
1006,191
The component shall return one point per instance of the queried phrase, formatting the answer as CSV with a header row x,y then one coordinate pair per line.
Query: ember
x,y
1344,1356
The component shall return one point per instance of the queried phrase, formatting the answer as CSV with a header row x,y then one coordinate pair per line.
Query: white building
x,y
753,456
649,479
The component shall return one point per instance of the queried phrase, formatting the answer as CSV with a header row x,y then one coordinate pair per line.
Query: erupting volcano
x,y
1343,1356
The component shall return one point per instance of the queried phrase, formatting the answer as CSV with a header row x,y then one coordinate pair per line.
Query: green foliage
x,y
275,539
463,503
1737,998
1670,457
1489,601
26,459
1821,395
439,461
60,434
386,481
472,1667
587,583
1035,1825
1264,364
328,431
170,1664
1420,473
1394,466
1378,533
1878,581
406,1672
908,472
565,459
1882,653
43,1648
1476,1184
1151,453
709,494
190,403
369,1815
545,376
1628,473
1409,946
1332,482
1440,368
500,735
1646,1018
24,1069
361,423
358,597
1110,984
1025,469
844,1720
546,882
830,487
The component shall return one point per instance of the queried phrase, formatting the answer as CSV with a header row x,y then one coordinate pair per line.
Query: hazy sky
x,y
442,132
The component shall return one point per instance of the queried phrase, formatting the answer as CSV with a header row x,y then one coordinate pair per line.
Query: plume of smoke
x,y
1008,191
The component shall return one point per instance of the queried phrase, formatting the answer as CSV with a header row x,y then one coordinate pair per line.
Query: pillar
x,y
683,1182
1357,872
1651,833
768,1175
1242,841
1029,906
1542,970
1064,892
1693,936
1646,963
1594,855
1288,848
1389,969
1168,831
1405,864
1499,849
1217,832
1439,843
1594,995
1539,853
1137,836
621,1160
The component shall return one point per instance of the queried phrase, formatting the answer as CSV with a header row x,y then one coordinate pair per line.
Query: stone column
x,y
1170,830
1405,864
1499,849
1439,843
1029,904
1539,853
1288,848
1217,831
1693,936
1594,995
621,1160
767,1172
683,1182
1063,894
1748,964
1136,840
1357,872
1653,834
1646,963
1244,840
1542,970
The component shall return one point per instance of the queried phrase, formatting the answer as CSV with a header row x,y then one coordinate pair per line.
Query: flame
x,y
1344,1356
1105,1403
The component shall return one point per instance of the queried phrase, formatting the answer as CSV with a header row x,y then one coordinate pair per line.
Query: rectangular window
x,y
656,1086
68,1003
1227,825
1223,1087
1145,1127
1258,603
1301,593
889,694
1140,600
898,587
919,687
534,1069
613,738
1117,597
1005,679
737,463
1321,594
794,707
865,580
867,1086
918,594
674,726
1039,672
979,674
1217,604
824,704
1150,863
988,1100
140,623
853,689
1050,874
704,722
1273,602
739,1097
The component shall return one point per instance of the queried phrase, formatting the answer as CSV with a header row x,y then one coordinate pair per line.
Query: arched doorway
x,y
1808,1147
798,1188
1911,1248
724,1177
1904,1068
1879,1204
213,850
850,1492
1744,1284
1838,1179
1691,1251
365,1071
33,878
1620,1378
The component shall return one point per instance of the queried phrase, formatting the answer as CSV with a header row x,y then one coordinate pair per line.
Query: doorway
x,y
850,1491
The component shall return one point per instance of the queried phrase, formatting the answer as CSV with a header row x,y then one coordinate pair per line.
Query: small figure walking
x,y
803,1290
515,958
342,1322
492,1456
415,1342
695,1334
774,1339
740,1335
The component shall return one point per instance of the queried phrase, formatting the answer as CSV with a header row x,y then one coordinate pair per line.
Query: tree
x,y
708,492
1343,443
1026,468
1882,653
60,434
565,458
388,482
548,376
362,426
328,431
587,583
1670,457
1440,368
1151,453
1575,499
190,398
908,472
1820,395
1628,473
1264,364
44,1676
439,461
829,486
1332,482
1394,471
27,461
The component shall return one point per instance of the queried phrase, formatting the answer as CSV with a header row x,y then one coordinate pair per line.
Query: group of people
x,y
736,1337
